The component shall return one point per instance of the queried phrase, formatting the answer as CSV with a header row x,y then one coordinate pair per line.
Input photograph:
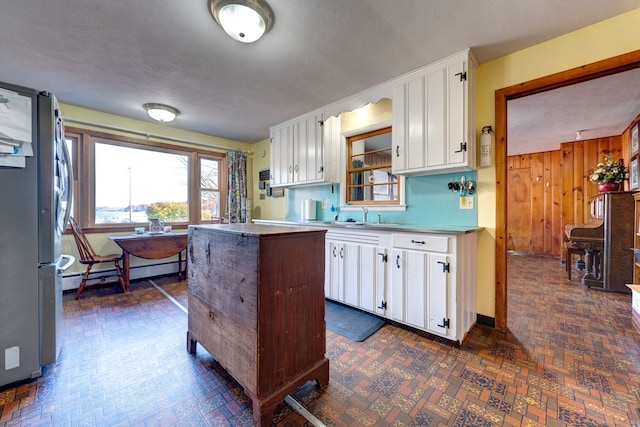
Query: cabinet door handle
x,y
296,168
397,151
463,147
334,252
290,169
445,323
398,261
445,266
341,252
418,242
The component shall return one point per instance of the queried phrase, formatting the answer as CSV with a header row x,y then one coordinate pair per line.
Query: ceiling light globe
x,y
241,23
161,112
161,115
243,20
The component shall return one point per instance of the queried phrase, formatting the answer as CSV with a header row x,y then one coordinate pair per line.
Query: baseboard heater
x,y
72,281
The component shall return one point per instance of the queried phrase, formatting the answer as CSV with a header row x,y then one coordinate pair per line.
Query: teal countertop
x,y
421,228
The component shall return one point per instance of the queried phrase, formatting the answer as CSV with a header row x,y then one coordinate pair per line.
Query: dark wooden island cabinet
x,y
256,304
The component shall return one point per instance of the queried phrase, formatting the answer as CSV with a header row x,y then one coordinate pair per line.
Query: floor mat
x,y
350,322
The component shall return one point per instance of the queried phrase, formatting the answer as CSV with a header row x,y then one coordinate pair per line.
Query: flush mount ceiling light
x,y
161,112
244,20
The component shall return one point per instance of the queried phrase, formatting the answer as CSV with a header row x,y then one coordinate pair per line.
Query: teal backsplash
x,y
428,200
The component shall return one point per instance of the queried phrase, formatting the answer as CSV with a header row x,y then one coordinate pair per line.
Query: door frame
x,y
580,74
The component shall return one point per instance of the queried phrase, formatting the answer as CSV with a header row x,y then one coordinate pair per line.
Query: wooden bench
x,y
572,249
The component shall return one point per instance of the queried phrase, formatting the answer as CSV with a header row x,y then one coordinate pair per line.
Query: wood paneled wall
x,y
546,191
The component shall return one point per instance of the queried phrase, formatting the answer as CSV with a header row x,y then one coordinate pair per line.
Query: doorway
x,y
565,78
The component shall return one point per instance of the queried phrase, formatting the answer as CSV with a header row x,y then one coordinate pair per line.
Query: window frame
x,y
222,184
349,169
83,143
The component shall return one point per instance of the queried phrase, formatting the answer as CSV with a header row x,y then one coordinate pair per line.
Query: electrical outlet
x,y
466,202
325,205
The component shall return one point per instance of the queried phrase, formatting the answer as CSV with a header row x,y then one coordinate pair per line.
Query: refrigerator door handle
x,y
70,260
69,184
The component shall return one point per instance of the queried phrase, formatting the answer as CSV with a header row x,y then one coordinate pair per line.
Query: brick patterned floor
x,y
571,357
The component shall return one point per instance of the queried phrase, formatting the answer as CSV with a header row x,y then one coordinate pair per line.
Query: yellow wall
x,y
270,207
599,41
70,112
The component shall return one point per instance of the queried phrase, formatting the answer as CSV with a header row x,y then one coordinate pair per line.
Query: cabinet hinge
x,y
445,323
445,266
463,147
384,257
383,305
463,76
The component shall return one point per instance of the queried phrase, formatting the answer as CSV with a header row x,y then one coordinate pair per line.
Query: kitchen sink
x,y
359,224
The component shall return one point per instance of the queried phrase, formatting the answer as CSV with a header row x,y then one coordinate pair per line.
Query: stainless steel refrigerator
x,y
34,209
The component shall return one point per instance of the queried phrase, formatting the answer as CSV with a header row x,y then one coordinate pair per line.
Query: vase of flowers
x,y
609,175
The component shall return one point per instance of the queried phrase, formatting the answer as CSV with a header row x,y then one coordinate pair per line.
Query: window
x,y
369,177
209,189
134,184
122,181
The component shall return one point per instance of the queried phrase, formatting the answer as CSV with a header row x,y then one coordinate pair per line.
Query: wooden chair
x,y
90,258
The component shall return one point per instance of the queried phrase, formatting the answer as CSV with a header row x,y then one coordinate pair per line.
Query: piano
x,y
606,239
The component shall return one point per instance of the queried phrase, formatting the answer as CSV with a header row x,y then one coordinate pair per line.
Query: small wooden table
x,y
152,246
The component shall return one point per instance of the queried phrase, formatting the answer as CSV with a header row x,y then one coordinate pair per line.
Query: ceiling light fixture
x,y
578,135
243,20
161,112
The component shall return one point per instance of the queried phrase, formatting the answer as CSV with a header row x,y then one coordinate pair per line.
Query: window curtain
x,y
237,207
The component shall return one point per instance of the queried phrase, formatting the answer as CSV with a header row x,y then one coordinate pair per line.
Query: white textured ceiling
x,y
595,108
113,56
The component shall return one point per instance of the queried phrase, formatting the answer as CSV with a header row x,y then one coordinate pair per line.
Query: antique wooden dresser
x,y
256,304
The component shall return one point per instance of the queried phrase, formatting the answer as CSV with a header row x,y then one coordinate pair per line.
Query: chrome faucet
x,y
364,214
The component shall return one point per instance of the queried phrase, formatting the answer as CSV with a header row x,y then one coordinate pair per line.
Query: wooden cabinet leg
x,y
262,415
191,344
322,378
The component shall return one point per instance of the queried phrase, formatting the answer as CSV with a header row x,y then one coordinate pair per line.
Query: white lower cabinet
x,y
355,272
409,287
424,280
373,267
419,290
438,319
350,256
334,271
342,281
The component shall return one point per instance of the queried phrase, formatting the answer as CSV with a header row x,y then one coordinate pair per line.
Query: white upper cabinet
x,y
433,122
303,148
434,118
282,154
